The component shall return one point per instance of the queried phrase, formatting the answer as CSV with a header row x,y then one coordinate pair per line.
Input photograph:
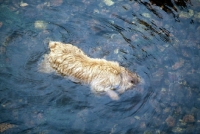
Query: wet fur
x,y
100,74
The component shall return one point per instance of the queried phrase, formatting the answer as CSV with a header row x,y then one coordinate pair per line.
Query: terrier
x,y
100,74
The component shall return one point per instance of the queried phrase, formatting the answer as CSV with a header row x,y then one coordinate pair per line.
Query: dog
x,y
100,74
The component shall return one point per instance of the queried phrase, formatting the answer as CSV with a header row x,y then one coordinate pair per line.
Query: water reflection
x,y
140,35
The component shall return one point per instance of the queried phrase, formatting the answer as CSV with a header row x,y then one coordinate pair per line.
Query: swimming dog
x,y
102,75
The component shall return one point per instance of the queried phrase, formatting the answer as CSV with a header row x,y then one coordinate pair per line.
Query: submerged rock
x,y
147,15
5,126
22,4
178,64
137,117
178,130
39,24
108,2
188,14
170,121
197,15
143,125
188,118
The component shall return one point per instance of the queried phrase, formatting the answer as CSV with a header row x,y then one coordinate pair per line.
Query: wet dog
x,y
100,74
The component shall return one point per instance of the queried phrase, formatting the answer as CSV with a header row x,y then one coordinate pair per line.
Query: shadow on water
x,y
170,7
158,40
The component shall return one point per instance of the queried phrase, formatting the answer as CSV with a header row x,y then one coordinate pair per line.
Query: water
x,y
160,41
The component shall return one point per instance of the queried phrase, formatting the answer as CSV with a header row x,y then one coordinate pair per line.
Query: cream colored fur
x,y
100,74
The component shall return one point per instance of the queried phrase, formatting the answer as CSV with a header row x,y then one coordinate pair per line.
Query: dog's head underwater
x,y
128,80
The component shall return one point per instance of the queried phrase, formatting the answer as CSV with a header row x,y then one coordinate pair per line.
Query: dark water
x,y
158,40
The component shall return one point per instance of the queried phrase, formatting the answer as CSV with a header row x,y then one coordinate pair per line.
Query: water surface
x,y
158,40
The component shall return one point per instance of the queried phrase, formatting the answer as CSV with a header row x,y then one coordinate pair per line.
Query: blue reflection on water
x,y
161,45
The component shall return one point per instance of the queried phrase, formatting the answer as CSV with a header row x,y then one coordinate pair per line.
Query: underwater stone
x,y
188,118
177,130
116,51
39,24
183,15
197,15
147,15
22,4
186,14
5,126
137,117
108,2
163,90
191,12
170,121
120,57
96,11
178,64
